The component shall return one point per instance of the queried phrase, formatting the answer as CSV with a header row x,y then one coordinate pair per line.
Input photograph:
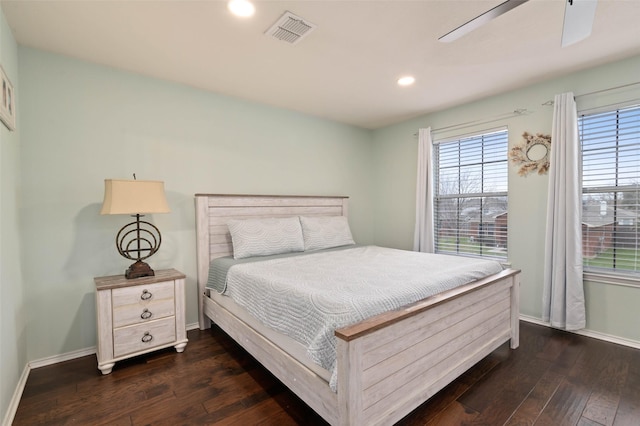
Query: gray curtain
x,y
423,240
563,291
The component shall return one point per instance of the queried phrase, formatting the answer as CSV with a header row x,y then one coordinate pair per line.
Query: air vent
x,y
290,28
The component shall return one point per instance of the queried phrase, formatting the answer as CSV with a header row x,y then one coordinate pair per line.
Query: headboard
x,y
213,211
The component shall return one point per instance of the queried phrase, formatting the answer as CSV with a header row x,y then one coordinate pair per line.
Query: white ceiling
x,y
346,69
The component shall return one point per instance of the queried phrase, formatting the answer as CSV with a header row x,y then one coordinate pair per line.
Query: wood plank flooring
x,y
554,378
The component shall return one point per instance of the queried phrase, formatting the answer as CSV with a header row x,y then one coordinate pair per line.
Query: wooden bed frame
x,y
387,365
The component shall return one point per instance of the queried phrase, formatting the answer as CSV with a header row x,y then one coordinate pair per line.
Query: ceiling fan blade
x,y
480,20
578,20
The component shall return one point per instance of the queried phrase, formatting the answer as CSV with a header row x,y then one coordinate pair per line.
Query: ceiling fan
x,y
578,20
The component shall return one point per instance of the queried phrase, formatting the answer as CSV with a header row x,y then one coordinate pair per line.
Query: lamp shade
x,y
134,197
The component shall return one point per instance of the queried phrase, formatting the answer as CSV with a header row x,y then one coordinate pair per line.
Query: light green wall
x,y
13,346
82,123
395,158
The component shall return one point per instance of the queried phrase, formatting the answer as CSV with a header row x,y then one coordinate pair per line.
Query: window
x,y
470,201
611,190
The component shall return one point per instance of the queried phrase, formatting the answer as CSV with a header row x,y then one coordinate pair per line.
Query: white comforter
x,y
308,297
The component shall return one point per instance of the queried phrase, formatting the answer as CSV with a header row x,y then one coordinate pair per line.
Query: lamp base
x,y
139,269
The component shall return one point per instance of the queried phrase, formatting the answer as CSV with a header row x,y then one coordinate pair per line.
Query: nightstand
x,y
139,315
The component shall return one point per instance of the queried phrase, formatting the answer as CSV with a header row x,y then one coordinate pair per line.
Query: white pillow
x,y
322,232
263,237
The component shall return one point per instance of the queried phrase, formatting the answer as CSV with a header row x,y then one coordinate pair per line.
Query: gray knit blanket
x,y
307,297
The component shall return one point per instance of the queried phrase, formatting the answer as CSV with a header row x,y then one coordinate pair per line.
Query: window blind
x,y
610,144
470,201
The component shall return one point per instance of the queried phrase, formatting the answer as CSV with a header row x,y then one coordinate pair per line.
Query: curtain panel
x,y
563,290
423,238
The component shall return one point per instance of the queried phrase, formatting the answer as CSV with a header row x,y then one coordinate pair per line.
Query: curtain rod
x,y
595,92
514,113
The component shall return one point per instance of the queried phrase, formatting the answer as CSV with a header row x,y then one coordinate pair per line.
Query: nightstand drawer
x,y
139,313
143,336
141,295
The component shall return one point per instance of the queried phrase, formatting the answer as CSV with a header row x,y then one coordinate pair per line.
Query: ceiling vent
x,y
290,28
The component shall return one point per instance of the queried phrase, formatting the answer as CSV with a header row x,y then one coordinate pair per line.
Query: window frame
x,y
613,275
481,194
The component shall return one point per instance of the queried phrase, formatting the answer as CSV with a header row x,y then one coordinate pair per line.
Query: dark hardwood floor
x,y
554,378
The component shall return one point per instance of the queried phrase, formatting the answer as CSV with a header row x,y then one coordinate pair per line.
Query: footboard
x,y
392,363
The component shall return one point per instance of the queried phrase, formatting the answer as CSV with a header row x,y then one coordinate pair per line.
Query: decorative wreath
x,y
532,153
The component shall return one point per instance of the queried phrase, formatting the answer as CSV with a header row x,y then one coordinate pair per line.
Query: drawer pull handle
x,y
146,295
147,337
146,314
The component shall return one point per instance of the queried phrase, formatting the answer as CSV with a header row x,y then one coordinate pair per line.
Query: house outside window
x,y
471,198
610,144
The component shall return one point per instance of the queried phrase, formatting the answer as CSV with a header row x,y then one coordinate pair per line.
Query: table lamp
x,y
137,240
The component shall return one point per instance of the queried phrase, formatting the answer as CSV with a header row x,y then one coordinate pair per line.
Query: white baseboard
x,y
588,333
43,362
17,394
50,360
15,399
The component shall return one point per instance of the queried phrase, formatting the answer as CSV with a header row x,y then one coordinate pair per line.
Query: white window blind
x,y
470,202
611,191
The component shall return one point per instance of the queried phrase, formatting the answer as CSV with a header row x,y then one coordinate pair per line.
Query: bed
x,y
386,365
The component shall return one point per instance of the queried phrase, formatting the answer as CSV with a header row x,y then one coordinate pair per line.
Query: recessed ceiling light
x,y
242,8
406,81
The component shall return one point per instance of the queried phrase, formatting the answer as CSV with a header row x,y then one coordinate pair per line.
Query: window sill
x,y
605,278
